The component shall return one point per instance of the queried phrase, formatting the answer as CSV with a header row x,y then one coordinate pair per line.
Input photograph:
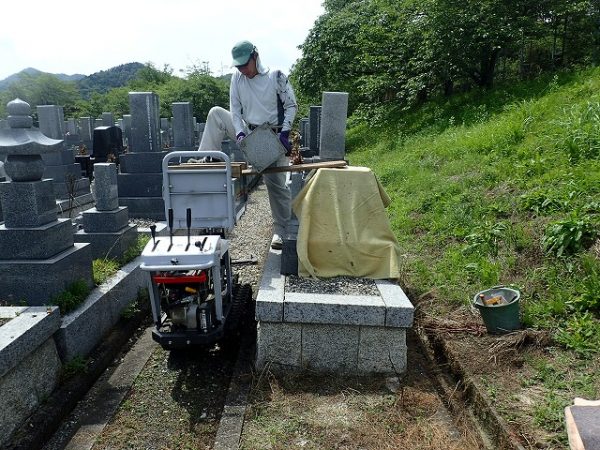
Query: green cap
x,y
241,53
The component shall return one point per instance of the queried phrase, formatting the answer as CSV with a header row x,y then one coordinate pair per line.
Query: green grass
x,y
500,187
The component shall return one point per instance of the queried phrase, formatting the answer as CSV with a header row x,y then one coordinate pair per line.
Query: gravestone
x,y
86,131
72,135
314,128
140,177
108,120
127,128
166,138
108,144
304,132
106,226
334,114
98,123
183,127
70,188
38,257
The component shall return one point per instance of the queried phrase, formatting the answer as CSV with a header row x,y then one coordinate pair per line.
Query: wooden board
x,y
237,167
299,167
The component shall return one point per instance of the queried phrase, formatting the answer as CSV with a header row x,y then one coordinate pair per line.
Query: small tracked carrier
x,y
195,297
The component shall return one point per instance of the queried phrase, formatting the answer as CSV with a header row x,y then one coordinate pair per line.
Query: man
x,y
254,95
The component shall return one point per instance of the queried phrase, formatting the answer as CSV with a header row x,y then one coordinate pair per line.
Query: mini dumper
x,y
195,297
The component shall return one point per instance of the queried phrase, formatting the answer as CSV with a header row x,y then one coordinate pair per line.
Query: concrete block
x,y
26,386
269,301
279,345
95,221
82,329
28,204
51,275
399,309
40,242
334,309
140,184
29,327
382,350
330,348
262,148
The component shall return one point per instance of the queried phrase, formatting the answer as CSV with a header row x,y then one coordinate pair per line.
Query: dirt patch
x,y
522,376
318,412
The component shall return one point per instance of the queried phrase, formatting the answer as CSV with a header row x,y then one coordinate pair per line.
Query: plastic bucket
x,y
500,318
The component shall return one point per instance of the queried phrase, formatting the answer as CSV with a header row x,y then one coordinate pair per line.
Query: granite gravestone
x,y
140,177
38,257
69,186
183,127
332,137
106,226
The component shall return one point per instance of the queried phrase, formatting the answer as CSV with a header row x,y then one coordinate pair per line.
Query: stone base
x,y
109,244
144,207
95,221
141,162
340,334
36,281
140,184
36,243
72,207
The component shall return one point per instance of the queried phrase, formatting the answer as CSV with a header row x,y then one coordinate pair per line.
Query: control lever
x,y
200,244
170,213
188,219
153,233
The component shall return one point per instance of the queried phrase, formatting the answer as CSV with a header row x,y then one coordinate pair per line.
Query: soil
x,y
521,377
316,412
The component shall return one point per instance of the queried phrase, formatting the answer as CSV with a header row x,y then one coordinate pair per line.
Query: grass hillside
x,y
503,188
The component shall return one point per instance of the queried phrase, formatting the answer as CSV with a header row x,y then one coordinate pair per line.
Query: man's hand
x,y
284,137
241,135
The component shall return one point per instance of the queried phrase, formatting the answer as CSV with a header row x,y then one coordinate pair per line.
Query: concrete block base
x,y
339,334
109,244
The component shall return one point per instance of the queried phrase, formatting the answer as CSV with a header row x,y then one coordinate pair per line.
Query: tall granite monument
x,y
38,257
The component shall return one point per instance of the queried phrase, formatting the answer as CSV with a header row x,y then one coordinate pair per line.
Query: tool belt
x,y
276,129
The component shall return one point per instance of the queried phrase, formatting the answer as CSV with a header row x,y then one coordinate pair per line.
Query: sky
x,y
83,37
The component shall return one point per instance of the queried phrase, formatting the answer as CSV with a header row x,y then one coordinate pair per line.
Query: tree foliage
x,y
400,52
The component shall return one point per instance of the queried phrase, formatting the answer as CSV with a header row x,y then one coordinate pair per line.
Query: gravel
x,y
336,285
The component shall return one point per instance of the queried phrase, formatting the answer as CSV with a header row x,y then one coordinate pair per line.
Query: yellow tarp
x,y
344,227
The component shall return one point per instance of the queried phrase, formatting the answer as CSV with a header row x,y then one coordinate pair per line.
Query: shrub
x,y
570,235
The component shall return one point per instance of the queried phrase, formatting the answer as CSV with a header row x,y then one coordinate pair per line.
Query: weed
x,y
580,333
72,297
485,237
74,367
570,235
104,269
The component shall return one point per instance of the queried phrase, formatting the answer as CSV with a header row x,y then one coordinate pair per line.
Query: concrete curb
x,y
492,426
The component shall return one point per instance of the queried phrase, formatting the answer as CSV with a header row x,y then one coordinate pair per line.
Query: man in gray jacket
x,y
254,94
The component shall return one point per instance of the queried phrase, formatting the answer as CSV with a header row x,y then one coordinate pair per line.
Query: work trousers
x,y
220,124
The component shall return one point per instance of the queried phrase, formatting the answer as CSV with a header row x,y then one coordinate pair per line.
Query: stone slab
x,y
63,173
95,221
279,344
334,114
27,386
84,328
36,281
109,244
145,122
145,207
63,157
399,309
331,348
269,301
140,184
142,162
81,186
382,350
29,327
334,309
28,204
105,186
40,242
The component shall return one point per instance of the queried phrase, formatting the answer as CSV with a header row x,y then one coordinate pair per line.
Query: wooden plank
x,y
236,167
299,167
